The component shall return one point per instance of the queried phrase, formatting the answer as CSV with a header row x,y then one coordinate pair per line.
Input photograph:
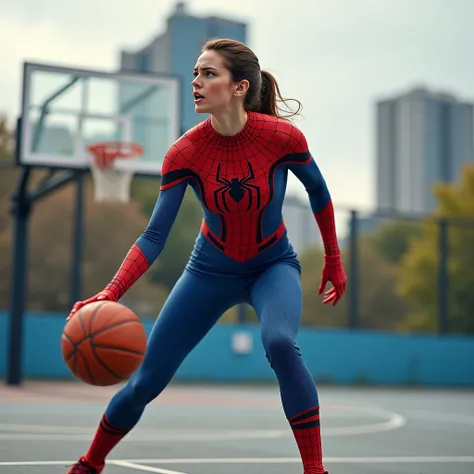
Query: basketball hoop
x,y
112,184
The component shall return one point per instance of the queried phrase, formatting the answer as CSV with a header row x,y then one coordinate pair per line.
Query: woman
x,y
237,162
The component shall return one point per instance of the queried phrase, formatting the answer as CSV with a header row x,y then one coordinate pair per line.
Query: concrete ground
x,y
206,429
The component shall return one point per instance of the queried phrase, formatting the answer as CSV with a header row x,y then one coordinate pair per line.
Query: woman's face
x,y
213,87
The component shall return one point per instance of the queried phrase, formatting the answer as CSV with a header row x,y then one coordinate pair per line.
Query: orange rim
x,y
115,149
105,153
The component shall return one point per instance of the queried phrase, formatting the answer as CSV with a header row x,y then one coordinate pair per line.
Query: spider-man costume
x,y
242,254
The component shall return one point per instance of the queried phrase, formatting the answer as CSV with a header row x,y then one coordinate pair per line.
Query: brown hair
x,y
263,94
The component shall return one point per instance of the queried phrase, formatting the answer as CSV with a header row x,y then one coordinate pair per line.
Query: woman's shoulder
x,y
182,150
281,132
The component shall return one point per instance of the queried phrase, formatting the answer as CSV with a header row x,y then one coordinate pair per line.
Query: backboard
x,y
64,110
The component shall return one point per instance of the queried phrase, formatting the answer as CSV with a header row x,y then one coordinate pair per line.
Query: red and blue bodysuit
x,y
241,254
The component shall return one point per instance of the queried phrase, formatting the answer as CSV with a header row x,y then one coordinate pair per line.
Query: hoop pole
x,y
75,293
21,210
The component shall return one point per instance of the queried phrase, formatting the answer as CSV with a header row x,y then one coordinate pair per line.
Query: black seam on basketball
x,y
101,362
106,367
94,314
88,369
74,346
106,329
119,349
74,353
81,322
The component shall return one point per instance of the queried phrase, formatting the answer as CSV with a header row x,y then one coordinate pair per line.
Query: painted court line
x,y
437,417
45,433
143,436
287,460
140,467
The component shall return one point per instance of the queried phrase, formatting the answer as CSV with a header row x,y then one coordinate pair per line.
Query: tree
x,y
6,139
392,240
110,230
420,266
379,305
8,178
50,242
314,312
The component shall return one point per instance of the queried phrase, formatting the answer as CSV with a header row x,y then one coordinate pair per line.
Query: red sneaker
x,y
83,467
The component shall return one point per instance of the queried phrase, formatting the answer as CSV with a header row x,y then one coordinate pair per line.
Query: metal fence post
x,y
443,278
353,280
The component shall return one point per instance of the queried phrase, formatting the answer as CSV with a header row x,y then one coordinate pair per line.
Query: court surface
x,y
206,429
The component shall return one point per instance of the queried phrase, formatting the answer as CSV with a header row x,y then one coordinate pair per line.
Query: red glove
x,y
333,272
102,296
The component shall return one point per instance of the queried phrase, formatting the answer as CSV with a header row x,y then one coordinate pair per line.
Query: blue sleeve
x,y
310,176
153,239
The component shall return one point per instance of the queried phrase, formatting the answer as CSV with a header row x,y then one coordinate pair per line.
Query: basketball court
x,y
191,429
199,429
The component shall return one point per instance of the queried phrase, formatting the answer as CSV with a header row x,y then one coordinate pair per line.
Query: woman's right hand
x,y
102,296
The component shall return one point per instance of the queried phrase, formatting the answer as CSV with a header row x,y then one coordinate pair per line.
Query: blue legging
x,y
193,307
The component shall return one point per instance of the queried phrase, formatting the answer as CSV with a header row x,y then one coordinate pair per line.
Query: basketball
x,y
103,343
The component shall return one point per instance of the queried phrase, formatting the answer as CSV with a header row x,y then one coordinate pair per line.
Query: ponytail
x,y
263,94
270,96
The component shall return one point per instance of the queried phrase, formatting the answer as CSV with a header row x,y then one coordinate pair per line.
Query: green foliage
x,y
109,232
392,240
314,312
6,139
380,307
7,178
418,281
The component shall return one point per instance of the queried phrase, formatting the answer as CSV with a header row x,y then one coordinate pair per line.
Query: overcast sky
x,y
336,56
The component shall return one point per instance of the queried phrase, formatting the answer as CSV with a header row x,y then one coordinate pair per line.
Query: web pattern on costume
x,y
327,225
235,179
133,267
306,428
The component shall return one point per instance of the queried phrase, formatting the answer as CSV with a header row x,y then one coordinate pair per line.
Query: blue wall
x,y
336,356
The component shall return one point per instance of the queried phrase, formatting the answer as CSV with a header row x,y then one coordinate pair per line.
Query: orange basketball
x,y
103,343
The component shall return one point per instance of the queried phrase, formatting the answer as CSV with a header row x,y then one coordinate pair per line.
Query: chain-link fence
x,y
406,272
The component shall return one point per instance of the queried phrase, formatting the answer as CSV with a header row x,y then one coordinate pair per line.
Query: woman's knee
x,y
142,388
280,347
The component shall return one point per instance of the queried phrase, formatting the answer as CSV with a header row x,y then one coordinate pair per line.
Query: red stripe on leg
x,y
309,440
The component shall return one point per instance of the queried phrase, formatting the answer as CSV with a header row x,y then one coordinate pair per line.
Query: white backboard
x,y
64,110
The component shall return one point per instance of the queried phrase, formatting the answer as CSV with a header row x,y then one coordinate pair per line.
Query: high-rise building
x,y
422,138
175,51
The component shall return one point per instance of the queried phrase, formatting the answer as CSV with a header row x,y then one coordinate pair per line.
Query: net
x,y
112,184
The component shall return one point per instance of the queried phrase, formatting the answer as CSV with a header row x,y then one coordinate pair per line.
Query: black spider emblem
x,y
236,189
